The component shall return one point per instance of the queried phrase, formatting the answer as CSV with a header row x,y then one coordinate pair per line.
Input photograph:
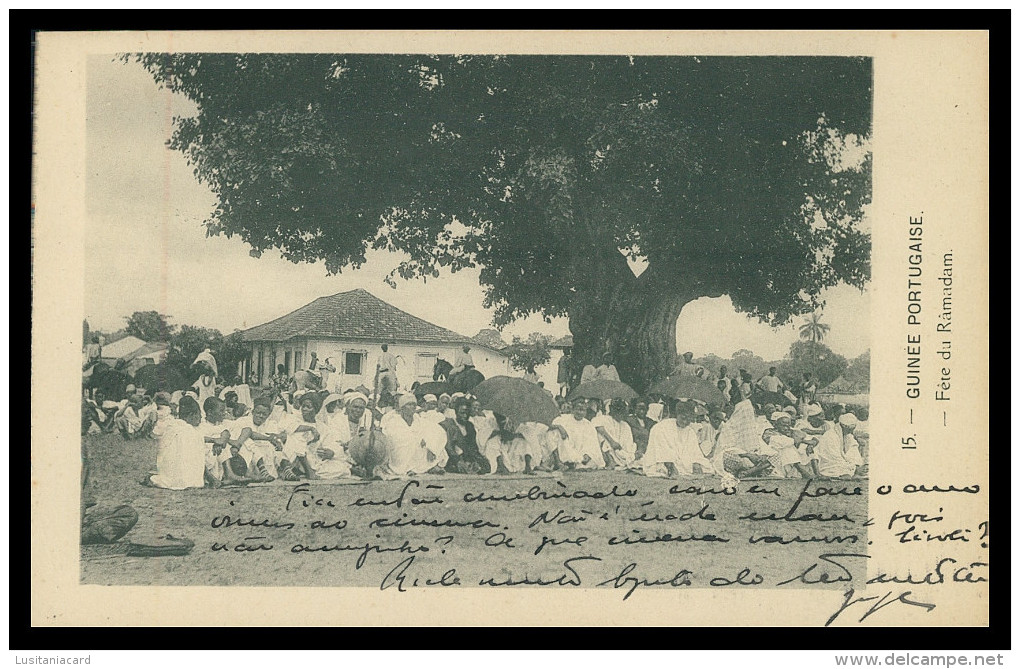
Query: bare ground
x,y
687,531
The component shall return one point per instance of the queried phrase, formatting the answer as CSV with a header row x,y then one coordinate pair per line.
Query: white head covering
x,y
814,410
790,410
332,397
407,398
848,420
776,415
449,397
430,398
350,397
207,357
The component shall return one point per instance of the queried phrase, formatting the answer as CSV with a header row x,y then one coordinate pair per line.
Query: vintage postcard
x,y
446,328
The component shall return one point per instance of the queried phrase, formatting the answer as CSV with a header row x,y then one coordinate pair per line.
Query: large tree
x,y
149,326
738,176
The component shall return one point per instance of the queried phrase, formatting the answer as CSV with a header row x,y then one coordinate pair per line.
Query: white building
x,y
349,329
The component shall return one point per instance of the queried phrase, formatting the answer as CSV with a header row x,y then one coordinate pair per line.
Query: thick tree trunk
x,y
633,319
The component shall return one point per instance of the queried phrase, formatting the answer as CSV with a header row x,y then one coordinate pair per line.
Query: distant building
x,y
349,329
130,353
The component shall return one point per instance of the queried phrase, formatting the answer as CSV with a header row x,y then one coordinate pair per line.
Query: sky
x,y
146,248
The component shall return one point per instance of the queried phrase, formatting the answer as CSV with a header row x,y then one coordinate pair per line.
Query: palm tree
x,y
814,329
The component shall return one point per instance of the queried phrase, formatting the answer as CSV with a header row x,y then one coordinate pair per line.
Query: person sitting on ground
x,y
835,460
181,452
484,422
640,426
445,406
234,407
739,445
324,454
508,451
615,436
785,441
261,446
410,452
575,438
673,448
223,462
462,442
708,437
530,375
131,424
430,409
164,413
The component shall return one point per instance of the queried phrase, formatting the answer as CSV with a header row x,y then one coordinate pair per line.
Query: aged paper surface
x,y
929,456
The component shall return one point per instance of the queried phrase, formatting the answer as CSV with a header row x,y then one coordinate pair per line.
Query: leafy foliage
x,y
190,340
813,328
527,354
743,176
149,326
813,357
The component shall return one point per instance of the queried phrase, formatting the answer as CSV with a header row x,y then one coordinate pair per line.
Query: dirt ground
x,y
586,528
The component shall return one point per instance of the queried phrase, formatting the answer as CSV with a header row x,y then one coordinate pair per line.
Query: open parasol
x,y
688,387
518,399
603,389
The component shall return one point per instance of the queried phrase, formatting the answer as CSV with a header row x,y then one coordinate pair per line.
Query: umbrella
x,y
765,397
690,387
518,399
604,389
436,388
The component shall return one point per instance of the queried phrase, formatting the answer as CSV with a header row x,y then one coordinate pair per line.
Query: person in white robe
x,y
615,436
575,439
673,448
485,424
510,452
462,360
181,451
835,460
410,452
543,454
430,409
784,441
607,370
262,448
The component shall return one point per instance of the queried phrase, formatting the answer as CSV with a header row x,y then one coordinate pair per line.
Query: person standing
x,y
563,370
607,370
387,370
770,382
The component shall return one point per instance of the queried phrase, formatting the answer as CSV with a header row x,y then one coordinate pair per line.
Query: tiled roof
x,y
356,314
566,341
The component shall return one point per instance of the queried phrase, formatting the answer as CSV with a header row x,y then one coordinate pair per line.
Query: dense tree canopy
x,y
738,176
149,326
527,354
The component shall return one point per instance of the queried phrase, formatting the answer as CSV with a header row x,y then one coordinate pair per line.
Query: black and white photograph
x,y
495,322
484,321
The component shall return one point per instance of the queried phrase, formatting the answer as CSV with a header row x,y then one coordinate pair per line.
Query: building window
x,y
297,360
286,363
354,363
424,363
